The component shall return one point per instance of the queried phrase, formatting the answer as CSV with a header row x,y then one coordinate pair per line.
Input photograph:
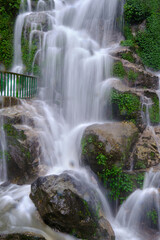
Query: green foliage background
x,y
8,12
146,42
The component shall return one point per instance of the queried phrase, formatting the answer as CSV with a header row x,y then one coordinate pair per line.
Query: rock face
x,y
68,204
21,236
110,142
23,148
8,101
126,106
132,70
146,153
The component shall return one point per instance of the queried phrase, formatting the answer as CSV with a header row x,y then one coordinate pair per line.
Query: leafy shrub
x,y
147,42
135,11
8,12
118,70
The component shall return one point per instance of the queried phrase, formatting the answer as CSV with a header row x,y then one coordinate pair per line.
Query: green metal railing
x,y
17,85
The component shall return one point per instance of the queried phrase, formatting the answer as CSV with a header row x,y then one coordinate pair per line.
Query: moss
x,y
154,112
140,165
125,105
6,154
118,70
12,132
8,12
28,56
152,155
128,56
89,143
152,216
146,42
132,76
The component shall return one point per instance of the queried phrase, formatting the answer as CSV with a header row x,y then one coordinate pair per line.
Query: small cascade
x,y
140,213
146,104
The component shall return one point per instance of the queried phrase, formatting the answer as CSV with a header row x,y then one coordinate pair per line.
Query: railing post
x,y
17,85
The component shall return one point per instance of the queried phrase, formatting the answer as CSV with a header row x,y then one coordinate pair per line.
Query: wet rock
x,y
129,68
21,236
17,115
126,106
108,144
23,151
146,153
9,101
127,54
154,111
69,204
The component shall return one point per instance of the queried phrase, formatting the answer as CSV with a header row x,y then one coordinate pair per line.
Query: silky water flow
x,y
74,38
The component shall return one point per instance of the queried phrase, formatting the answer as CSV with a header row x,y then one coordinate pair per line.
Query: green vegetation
x,y
135,11
28,56
146,42
12,132
118,70
6,154
128,56
126,105
8,12
154,111
132,76
152,215
140,165
119,183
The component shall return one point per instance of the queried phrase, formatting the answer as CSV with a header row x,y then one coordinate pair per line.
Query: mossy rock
x,y
108,144
71,205
21,236
154,112
134,75
22,154
120,184
126,106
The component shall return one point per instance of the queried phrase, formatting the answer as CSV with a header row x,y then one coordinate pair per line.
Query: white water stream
x,y
74,58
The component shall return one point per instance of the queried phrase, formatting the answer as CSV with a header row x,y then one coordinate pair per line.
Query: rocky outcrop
x,y
108,144
69,204
126,106
140,106
146,153
8,101
21,236
23,149
130,69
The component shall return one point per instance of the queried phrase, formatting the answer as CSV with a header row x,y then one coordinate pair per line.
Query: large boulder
x,y
108,144
69,204
23,151
21,236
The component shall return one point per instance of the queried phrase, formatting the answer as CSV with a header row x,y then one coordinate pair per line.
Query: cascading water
x,y
73,54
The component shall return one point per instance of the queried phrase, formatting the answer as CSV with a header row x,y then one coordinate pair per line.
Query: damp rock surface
x,y
108,144
21,236
23,148
69,204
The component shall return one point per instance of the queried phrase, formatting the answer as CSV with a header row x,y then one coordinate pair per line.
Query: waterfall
x,y
73,46
142,209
